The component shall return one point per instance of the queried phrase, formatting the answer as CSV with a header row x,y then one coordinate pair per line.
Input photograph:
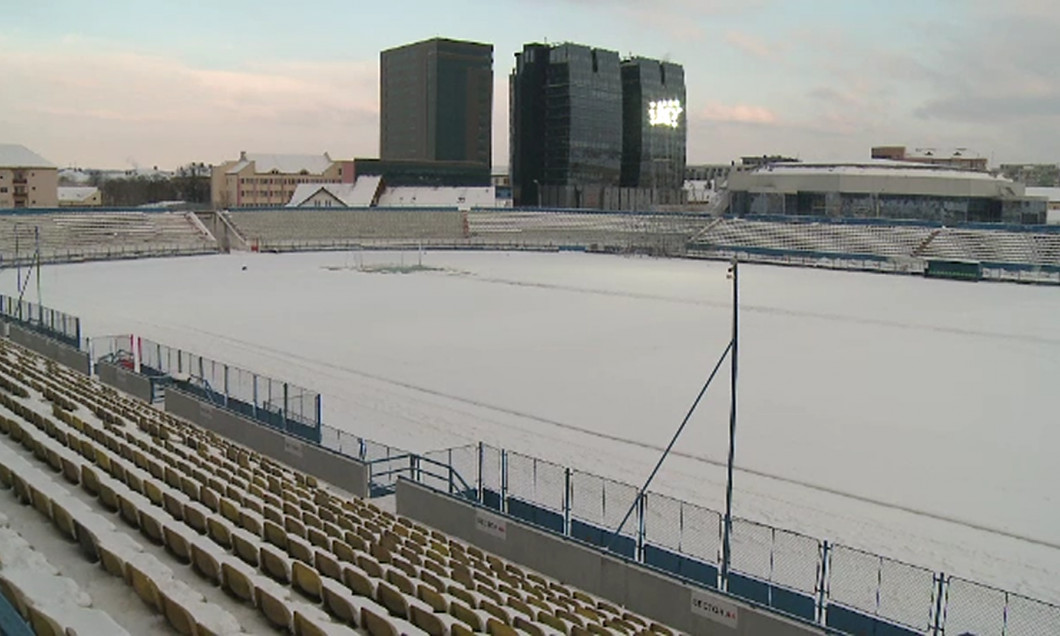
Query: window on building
x,y
3,190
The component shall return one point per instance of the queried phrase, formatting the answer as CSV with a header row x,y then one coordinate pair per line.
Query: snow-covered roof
x,y
879,168
360,194
76,194
283,164
405,196
19,156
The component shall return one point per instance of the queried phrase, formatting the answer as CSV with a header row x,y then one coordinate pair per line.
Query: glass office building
x,y
654,131
566,119
436,102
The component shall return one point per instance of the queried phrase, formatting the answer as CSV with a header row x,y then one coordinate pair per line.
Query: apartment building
x,y
27,180
269,180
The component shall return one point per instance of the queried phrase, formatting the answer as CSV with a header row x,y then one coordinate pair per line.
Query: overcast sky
x,y
118,83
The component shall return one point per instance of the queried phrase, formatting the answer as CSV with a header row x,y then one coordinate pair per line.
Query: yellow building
x,y
264,180
27,180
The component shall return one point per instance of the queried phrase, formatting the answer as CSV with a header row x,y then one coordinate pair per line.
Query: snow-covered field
x,y
912,418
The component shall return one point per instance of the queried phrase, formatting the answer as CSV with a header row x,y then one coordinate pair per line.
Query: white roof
x,y
880,168
73,194
283,164
421,196
360,194
19,156
1053,194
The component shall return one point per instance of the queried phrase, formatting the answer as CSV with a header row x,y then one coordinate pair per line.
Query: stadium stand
x,y
257,534
546,228
315,228
992,246
478,227
886,241
95,235
1009,253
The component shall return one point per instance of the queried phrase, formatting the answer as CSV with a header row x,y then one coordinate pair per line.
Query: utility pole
x,y
726,549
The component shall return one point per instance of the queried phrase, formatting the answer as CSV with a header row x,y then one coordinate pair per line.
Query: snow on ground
x,y
909,417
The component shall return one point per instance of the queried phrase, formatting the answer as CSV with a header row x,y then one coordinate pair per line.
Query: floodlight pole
x,y
726,550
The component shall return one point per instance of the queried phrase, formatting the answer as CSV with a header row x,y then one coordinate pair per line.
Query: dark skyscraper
x,y
654,131
436,102
566,119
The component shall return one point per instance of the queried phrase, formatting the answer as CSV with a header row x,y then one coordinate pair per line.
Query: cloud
x,y
737,113
754,46
682,20
101,102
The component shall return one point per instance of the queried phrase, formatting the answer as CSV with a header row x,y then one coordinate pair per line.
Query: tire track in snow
x,y
308,361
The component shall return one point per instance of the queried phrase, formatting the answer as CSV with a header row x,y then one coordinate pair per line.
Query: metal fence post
x,y
823,572
479,486
504,480
642,506
449,464
940,593
285,407
568,495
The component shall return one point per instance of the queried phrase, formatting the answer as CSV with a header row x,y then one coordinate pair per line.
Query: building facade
x,y
883,189
27,180
566,121
589,130
436,102
654,132
1034,175
80,197
403,172
264,180
952,158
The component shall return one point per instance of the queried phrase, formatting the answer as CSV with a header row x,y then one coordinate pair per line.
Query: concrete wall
x,y
62,353
690,609
348,474
126,381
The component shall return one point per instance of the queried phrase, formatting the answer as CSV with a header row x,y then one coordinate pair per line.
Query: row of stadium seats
x,y
539,228
92,234
886,241
311,560
996,247
278,229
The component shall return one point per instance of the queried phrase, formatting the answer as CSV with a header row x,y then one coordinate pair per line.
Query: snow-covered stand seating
x,y
93,235
310,559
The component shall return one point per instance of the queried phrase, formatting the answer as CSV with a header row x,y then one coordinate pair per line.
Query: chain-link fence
x,y
462,462
44,320
112,349
274,402
875,586
598,506
973,608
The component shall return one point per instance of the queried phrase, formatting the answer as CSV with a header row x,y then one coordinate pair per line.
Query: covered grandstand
x,y
883,189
